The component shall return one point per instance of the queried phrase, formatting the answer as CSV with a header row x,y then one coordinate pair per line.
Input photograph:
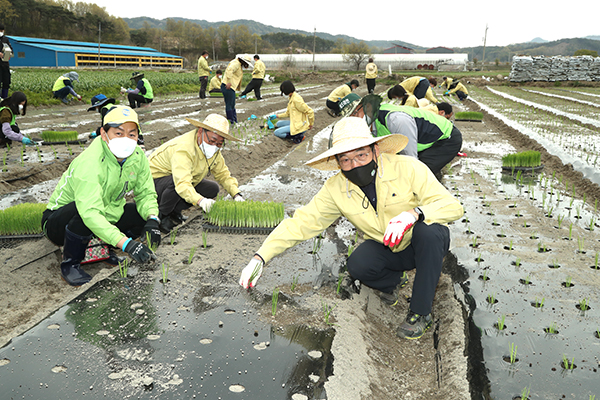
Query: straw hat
x,y
352,133
215,123
247,59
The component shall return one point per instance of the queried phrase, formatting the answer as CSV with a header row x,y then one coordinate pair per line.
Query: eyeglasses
x,y
361,156
214,139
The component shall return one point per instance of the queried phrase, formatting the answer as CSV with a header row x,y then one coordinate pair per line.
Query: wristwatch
x,y
420,213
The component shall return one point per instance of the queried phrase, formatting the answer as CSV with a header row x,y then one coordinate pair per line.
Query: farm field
x,y
462,357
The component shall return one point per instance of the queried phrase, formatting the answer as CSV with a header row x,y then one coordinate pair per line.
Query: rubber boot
x,y
73,253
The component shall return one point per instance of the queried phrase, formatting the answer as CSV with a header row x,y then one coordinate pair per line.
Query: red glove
x,y
397,227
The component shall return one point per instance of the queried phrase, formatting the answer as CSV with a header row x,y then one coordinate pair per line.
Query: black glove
x,y
139,252
151,233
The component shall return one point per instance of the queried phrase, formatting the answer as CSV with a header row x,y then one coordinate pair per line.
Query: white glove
x,y
206,204
78,97
123,90
397,227
238,197
252,270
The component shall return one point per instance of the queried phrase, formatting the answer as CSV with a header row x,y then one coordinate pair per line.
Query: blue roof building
x,y
33,52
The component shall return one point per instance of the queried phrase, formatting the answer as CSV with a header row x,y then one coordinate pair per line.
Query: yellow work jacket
x,y
203,69
371,71
259,70
402,183
182,158
339,93
234,74
461,87
447,83
300,114
215,83
410,85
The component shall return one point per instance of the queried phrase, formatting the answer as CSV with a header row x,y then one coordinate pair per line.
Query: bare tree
x,y
356,53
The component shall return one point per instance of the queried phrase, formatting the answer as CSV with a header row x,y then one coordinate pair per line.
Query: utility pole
x,y
314,47
484,40
99,37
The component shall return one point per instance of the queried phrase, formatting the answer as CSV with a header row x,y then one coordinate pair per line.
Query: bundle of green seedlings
x,y
528,159
59,136
469,115
245,214
22,219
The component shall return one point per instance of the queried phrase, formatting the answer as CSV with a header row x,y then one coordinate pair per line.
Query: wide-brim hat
x,y
74,76
135,75
246,57
118,115
100,100
352,133
215,123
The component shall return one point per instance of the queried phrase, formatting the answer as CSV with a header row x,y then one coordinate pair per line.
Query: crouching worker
x,y
179,168
90,198
395,200
301,116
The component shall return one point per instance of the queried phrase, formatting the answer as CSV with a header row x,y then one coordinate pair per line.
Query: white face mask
x,y
20,108
1,34
209,150
122,147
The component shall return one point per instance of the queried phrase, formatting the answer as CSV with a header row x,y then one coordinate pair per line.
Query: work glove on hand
x,y
272,117
139,252
123,90
93,135
151,233
27,141
205,204
239,197
252,270
79,97
397,227
446,93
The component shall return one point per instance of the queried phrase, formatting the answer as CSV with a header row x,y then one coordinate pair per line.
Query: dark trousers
x,y
62,93
170,201
376,266
333,105
4,79
255,85
203,84
135,100
442,152
229,96
421,89
55,222
461,95
370,85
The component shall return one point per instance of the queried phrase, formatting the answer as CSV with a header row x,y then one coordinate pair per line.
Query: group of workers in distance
x,y
388,157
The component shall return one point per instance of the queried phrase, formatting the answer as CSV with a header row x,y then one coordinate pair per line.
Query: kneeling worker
x,y
179,168
90,198
395,200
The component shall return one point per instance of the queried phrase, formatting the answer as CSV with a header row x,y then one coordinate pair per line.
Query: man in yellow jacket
x,y
395,200
203,73
232,82
215,83
258,76
301,116
334,98
420,87
461,91
179,168
371,75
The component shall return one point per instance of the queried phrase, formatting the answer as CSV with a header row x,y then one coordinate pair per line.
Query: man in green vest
x,y
432,139
142,94
64,86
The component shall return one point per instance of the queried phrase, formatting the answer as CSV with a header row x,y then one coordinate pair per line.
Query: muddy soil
x,y
368,355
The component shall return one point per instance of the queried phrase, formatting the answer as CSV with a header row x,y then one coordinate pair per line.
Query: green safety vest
x,y
60,83
14,118
149,93
430,127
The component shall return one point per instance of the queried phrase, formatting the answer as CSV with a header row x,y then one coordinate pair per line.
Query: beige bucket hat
x,y
352,133
246,57
215,123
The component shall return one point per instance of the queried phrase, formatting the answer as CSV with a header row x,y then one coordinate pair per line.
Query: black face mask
x,y
362,176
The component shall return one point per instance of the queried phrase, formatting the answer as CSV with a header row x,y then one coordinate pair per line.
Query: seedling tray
x,y
523,169
78,141
468,120
237,230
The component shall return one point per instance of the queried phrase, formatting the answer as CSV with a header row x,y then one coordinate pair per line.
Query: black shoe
x,y
414,326
178,217
166,225
391,299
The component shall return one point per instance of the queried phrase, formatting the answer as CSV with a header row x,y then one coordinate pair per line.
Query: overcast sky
x,y
460,24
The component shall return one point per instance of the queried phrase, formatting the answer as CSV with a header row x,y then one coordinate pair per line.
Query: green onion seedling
x,y
568,281
339,283
191,255
173,235
513,353
165,273
123,267
583,304
274,299
294,282
501,322
204,239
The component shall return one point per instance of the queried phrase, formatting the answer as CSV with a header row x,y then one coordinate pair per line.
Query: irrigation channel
x,y
516,311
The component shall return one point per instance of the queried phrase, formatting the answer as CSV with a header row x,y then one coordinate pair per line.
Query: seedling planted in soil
x,y
274,299
165,273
